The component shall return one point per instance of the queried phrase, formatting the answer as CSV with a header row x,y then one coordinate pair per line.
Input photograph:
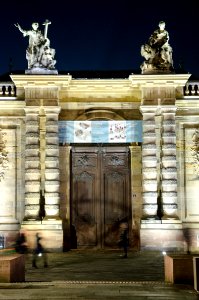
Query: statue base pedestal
x,y
41,71
149,69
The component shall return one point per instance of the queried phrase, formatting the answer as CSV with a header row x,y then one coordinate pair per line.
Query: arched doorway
x,y
100,189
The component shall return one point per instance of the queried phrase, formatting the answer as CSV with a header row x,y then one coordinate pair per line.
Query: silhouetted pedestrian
x,y
124,238
21,245
39,251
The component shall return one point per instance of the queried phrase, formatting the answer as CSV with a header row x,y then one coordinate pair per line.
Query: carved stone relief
x,y
195,150
3,155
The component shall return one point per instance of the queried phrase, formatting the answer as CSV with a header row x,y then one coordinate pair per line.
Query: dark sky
x,y
100,34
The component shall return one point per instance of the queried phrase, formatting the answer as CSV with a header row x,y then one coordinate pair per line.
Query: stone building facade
x,y
75,192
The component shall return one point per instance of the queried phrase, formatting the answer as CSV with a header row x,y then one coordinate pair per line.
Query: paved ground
x,y
97,275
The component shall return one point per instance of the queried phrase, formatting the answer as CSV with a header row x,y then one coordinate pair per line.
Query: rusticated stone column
x,y
32,165
52,182
169,170
149,164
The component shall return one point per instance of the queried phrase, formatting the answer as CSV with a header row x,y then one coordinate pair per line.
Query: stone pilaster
x,y
65,155
32,165
169,170
52,183
136,192
149,164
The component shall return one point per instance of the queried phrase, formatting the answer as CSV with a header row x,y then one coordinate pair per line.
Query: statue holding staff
x,y
38,53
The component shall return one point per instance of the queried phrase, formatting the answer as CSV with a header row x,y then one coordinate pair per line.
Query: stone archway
x,y
99,114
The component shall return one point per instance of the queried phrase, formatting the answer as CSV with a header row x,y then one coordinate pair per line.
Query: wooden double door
x,y
100,194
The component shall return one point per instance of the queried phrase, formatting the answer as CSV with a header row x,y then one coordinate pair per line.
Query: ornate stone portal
x,y
154,197
160,205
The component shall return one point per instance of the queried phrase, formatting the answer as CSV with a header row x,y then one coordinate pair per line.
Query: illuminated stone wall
x,y
12,177
164,178
187,121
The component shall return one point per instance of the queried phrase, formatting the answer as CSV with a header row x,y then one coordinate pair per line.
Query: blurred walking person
x,y
124,240
21,245
39,251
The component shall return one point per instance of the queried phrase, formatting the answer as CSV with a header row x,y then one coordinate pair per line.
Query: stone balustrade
x,y
7,89
191,88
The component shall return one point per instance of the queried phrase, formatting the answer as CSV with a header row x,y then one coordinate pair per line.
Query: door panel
x,y
115,193
100,194
84,195
115,204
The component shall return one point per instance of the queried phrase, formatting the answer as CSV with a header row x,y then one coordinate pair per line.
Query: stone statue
x,y
157,52
39,55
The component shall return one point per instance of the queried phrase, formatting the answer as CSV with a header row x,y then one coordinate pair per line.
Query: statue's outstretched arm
x,y
19,27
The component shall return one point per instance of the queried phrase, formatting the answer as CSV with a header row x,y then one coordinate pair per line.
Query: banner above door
x,y
100,131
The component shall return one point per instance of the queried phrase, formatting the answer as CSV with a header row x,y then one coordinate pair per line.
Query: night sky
x,y
100,35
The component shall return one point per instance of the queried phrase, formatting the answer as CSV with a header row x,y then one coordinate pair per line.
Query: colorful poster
x,y
117,132
100,131
82,132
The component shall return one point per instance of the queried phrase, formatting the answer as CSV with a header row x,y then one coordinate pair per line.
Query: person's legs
x,y
34,260
45,259
125,251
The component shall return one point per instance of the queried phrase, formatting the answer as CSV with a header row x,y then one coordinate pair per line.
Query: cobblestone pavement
x,y
97,275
